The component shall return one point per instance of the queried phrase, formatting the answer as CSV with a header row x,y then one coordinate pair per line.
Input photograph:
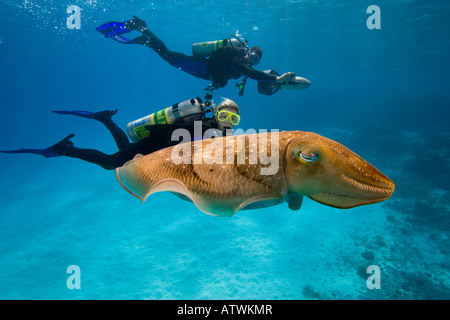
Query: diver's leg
x,y
66,148
189,64
115,30
118,159
118,134
150,40
56,150
107,162
104,117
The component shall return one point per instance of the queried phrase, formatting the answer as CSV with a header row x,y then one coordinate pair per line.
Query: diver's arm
x,y
262,76
286,77
253,73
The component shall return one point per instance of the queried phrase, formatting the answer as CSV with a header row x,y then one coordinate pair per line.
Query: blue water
x,y
383,93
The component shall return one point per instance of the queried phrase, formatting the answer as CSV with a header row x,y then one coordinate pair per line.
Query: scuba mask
x,y
224,115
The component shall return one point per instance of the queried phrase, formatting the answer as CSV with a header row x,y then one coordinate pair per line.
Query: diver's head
x,y
254,55
227,115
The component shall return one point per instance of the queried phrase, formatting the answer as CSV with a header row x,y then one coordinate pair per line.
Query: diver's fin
x,y
56,150
79,113
100,116
112,28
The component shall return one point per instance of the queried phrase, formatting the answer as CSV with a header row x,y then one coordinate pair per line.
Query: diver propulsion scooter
x,y
270,88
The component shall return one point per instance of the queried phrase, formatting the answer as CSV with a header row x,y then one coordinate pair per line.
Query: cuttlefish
x,y
224,175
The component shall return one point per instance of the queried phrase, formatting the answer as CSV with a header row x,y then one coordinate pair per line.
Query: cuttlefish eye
x,y
307,156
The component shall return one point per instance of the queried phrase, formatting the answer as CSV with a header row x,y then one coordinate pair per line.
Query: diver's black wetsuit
x,y
224,64
160,137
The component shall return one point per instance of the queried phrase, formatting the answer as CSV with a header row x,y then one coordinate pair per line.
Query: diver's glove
x,y
135,24
285,77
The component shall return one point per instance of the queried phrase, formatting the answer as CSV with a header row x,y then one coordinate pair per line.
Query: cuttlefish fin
x,y
130,181
256,199
179,187
174,185
142,189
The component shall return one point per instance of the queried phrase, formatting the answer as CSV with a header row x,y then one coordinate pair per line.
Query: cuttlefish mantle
x,y
225,175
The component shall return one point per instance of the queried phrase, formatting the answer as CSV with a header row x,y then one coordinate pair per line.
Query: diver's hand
x,y
285,77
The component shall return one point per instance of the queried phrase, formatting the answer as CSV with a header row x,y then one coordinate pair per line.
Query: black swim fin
x,y
56,150
100,116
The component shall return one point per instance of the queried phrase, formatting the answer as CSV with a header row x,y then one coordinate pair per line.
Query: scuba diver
x,y
149,134
217,61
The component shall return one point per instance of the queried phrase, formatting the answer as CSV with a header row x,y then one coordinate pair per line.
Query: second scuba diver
x,y
228,59
150,133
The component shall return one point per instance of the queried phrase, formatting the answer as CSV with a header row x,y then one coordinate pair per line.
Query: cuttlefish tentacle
x,y
308,165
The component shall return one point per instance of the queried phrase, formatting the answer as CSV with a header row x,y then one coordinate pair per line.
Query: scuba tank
x,y
204,49
186,111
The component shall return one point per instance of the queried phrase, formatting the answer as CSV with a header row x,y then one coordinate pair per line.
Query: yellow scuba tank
x,y
186,111
204,49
